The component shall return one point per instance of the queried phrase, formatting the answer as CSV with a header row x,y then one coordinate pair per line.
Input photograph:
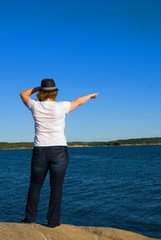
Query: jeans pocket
x,y
58,153
36,154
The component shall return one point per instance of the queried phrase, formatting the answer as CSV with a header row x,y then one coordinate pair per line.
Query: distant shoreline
x,y
120,142
81,146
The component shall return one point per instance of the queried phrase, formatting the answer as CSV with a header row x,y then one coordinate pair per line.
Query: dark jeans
x,y
55,159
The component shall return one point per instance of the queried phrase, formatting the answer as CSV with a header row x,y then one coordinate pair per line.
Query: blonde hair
x,y
42,96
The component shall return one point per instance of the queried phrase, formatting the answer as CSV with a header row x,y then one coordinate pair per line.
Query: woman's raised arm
x,y
81,100
25,95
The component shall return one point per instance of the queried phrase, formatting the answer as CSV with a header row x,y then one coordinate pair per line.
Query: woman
x,y
50,150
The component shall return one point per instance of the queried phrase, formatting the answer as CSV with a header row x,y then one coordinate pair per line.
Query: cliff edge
x,y
21,231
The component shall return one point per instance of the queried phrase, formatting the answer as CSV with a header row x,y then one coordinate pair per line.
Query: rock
x,y
22,231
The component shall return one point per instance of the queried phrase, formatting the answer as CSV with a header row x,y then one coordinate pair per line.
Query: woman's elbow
x,y
21,94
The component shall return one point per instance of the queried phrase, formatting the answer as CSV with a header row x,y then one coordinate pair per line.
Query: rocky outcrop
x,y
21,231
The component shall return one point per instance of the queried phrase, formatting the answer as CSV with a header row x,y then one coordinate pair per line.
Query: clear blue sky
x,y
110,47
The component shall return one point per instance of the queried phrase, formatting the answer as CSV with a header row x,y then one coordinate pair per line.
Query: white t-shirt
x,y
49,120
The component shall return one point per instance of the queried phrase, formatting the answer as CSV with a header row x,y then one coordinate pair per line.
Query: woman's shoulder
x,y
65,105
31,102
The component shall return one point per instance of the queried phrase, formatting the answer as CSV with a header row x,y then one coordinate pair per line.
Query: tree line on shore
x,y
133,141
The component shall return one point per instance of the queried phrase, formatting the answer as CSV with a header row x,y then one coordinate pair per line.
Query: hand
x,y
94,95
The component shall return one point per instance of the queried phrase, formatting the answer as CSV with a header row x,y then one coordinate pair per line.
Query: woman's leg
x,y
39,168
57,166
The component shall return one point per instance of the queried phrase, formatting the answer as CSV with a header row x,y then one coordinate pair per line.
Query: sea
x,y
112,186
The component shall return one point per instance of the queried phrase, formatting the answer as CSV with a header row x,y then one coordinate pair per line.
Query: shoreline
x,y
81,146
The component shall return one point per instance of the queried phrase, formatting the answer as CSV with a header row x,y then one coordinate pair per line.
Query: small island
x,y
119,142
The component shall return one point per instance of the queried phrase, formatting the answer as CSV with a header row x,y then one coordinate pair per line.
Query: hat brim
x,y
48,89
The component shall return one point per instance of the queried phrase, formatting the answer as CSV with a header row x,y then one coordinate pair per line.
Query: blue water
x,y
117,187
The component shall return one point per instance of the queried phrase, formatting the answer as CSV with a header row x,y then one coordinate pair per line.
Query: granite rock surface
x,y
21,231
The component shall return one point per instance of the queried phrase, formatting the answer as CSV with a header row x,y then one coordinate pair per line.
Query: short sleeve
x,y
66,106
31,103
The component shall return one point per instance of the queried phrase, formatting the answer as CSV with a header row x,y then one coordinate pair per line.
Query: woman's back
x,y
49,117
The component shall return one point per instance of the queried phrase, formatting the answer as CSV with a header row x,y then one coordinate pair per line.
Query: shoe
x,y
50,226
53,226
26,221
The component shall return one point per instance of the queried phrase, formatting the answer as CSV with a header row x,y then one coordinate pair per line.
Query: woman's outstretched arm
x,y
25,95
81,100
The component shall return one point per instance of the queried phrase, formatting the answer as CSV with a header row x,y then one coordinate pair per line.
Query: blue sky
x,y
110,47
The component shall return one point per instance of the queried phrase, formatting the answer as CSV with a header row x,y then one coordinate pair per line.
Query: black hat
x,y
48,85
